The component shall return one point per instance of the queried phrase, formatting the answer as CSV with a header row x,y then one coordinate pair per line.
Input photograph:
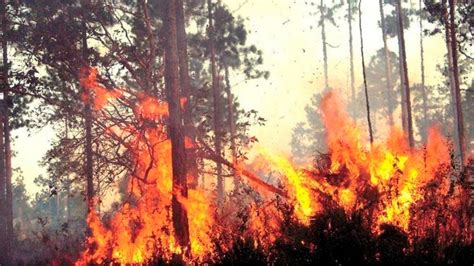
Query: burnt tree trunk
x,y
4,201
175,126
406,103
388,71
233,134
186,90
217,105
367,104
87,123
455,89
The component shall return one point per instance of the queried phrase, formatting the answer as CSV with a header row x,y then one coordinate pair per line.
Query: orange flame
x,y
142,227
101,95
388,178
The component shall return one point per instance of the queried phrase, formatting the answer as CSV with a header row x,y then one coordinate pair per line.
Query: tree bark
x,y
87,124
388,72
217,105
323,38
406,103
351,52
233,134
186,91
6,151
456,92
3,222
422,67
68,182
8,176
459,117
175,127
367,104
148,69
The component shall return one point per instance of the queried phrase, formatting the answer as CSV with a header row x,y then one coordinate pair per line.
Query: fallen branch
x,y
211,155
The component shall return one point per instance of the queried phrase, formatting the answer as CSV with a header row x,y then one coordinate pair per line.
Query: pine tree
x,y
5,149
451,40
388,74
406,102
176,134
351,52
217,104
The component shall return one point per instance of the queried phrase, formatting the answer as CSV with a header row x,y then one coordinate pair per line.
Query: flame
x,y
101,95
387,180
142,228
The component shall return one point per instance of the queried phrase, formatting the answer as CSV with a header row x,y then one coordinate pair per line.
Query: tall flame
x,y
142,227
388,180
388,177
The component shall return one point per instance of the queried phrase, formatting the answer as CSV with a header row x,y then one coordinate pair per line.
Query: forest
x,y
237,132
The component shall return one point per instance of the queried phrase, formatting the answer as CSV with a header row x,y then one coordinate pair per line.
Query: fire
x,y
388,177
387,180
142,227
299,189
101,95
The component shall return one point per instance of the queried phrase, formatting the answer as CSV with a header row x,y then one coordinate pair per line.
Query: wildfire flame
x,y
388,180
142,227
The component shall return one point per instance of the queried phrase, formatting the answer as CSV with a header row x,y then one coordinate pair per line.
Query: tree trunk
x,y
178,152
351,52
217,106
68,182
8,177
388,71
233,134
185,83
8,199
454,79
422,65
406,103
88,126
325,53
455,89
367,104
148,68
3,221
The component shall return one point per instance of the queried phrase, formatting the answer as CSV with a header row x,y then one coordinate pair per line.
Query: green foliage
x,y
435,11
391,19
377,83
232,52
308,139
44,231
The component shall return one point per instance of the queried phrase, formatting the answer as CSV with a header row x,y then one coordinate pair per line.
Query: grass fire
x,y
203,132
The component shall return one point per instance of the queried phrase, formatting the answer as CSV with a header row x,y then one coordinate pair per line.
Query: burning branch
x,y
211,155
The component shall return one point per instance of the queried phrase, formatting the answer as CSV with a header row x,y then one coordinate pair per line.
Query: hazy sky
x,y
292,49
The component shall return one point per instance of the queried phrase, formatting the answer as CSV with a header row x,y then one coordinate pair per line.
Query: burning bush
x,y
359,204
